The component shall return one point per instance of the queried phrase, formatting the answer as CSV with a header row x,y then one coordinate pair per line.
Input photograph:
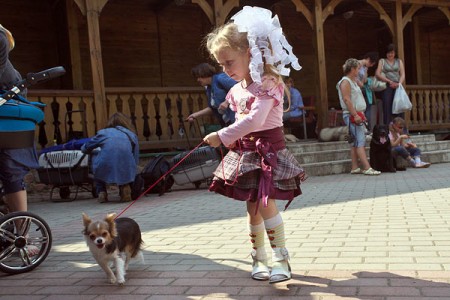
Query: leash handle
x,y
161,178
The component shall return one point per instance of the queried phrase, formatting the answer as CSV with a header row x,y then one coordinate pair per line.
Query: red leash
x,y
157,181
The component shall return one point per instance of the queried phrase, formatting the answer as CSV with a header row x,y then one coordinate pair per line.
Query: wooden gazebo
x,y
135,56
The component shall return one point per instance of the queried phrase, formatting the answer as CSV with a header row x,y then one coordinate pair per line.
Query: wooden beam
x,y
329,9
219,13
207,9
322,104
225,11
383,15
411,11
433,3
74,46
93,9
301,7
81,5
446,12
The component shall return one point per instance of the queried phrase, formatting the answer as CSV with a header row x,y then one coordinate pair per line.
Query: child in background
x,y
258,168
402,144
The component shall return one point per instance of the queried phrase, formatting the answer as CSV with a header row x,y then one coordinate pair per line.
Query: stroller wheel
x,y
15,243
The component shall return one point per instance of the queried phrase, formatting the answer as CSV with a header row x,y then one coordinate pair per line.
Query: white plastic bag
x,y
401,101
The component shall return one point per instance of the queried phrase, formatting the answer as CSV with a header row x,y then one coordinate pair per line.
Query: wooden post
x,y
399,30
322,104
93,9
74,44
417,52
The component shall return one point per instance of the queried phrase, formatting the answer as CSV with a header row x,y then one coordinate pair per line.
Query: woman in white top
x,y
353,106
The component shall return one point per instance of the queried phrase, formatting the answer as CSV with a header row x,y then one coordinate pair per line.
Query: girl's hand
x,y
213,139
404,136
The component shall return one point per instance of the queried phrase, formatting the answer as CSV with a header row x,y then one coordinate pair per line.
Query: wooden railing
x,y
157,113
431,107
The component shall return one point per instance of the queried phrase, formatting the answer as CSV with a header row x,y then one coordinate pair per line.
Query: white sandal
x,y
260,270
281,270
356,171
371,171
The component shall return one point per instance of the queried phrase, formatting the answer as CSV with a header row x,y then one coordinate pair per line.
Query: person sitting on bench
x,y
295,109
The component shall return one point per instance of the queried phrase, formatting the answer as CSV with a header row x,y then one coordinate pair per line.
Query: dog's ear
x,y
110,219
86,222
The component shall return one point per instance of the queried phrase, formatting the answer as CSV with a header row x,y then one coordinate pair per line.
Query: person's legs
x,y
403,152
274,225
125,193
12,176
388,97
353,153
360,148
100,187
415,154
17,201
354,156
257,233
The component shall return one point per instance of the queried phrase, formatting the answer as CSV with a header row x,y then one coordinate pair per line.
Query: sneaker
x,y
102,197
125,193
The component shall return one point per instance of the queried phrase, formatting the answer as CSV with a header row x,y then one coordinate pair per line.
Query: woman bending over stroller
x,y
115,156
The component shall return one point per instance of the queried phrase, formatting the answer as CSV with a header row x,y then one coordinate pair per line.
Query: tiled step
x,y
305,147
334,157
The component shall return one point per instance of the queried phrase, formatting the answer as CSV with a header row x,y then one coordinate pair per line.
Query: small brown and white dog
x,y
113,240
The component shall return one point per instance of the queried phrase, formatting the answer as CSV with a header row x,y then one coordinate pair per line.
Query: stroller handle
x,y
35,78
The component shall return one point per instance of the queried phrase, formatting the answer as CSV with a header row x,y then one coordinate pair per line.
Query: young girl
x,y
258,168
402,144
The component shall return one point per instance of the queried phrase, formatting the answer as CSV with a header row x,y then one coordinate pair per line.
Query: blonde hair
x,y
228,36
8,36
396,121
349,65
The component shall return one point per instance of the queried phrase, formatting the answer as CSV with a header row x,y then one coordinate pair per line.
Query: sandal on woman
x,y
260,270
356,171
281,270
371,171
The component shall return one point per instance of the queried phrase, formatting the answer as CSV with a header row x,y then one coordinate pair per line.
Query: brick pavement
x,y
350,237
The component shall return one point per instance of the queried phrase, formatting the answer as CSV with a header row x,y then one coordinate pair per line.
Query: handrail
x,y
159,112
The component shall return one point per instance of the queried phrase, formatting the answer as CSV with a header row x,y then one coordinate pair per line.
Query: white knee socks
x,y
256,233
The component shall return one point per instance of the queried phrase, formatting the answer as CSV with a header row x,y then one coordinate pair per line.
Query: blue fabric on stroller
x,y
74,144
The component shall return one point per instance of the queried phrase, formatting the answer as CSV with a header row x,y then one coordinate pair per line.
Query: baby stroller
x,y
65,168
19,231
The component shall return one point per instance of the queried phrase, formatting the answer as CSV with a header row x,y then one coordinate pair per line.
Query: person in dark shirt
x,y
216,86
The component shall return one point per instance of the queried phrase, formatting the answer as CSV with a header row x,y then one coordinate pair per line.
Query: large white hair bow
x,y
263,33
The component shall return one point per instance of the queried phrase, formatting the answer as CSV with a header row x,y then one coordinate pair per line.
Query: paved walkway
x,y
350,237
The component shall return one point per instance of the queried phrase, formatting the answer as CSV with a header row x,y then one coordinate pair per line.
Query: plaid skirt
x,y
238,175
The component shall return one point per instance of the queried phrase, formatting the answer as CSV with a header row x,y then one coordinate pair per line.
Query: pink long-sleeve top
x,y
258,107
